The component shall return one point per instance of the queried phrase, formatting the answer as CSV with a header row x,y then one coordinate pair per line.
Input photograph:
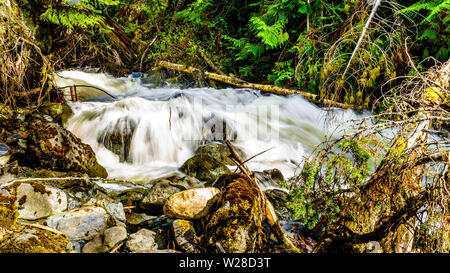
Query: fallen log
x,y
243,84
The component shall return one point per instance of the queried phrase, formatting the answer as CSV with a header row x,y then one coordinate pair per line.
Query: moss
x,y
236,225
34,241
8,211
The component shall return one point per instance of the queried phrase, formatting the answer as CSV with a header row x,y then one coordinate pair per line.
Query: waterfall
x,y
149,131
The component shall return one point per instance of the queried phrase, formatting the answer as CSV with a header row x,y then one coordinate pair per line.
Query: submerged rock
x,y
80,224
118,138
191,204
204,168
236,226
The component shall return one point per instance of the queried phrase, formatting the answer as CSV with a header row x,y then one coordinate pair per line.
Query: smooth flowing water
x,y
161,127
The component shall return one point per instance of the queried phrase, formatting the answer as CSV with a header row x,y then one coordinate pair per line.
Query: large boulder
x,y
50,146
204,168
191,204
80,224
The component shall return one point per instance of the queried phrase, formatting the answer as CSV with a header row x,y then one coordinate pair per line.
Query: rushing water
x,y
165,125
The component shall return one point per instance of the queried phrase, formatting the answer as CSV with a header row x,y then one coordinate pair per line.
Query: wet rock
x,y
35,241
237,223
118,138
4,150
204,168
154,201
191,204
269,178
80,224
37,201
184,235
54,110
131,197
142,241
114,235
50,146
278,200
218,151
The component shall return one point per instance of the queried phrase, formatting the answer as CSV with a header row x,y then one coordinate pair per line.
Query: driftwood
x,y
243,84
271,216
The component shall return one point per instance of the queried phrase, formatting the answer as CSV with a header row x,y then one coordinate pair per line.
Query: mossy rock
x,y
204,168
8,209
50,146
35,241
219,152
237,224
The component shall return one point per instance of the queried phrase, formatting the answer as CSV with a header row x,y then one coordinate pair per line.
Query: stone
x,y
37,201
117,138
154,201
184,235
114,235
269,179
204,168
116,211
4,150
219,152
95,246
80,224
50,146
142,241
31,240
191,204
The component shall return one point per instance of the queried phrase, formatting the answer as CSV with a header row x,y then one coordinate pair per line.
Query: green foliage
x,y
81,13
325,180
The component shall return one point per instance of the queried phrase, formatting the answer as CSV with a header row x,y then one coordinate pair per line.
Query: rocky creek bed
x,y
56,197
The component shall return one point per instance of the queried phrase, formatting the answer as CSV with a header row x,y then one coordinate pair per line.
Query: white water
x,y
172,123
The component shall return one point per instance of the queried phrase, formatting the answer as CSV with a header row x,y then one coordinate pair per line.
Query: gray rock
x,y
117,138
116,211
4,149
142,241
38,201
154,201
80,224
114,235
95,246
